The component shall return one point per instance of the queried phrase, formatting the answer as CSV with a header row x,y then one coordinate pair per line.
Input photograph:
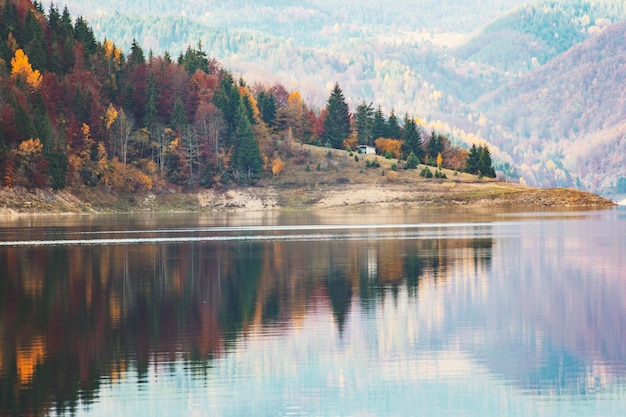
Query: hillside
x,y
430,60
333,179
563,124
79,109
532,34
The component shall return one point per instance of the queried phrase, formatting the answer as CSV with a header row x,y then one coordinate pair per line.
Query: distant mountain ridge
x,y
565,123
532,34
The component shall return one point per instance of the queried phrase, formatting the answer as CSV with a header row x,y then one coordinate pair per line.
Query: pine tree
x,y
472,165
412,138
247,162
150,109
379,127
179,119
412,161
484,162
136,56
267,108
364,124
337,123
394,131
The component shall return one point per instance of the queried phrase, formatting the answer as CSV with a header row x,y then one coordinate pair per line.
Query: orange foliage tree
x,y
394,146
278,167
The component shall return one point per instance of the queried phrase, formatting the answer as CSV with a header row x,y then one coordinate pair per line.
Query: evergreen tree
x,y
179,119
472,164
394,131
246,161
412,161
267,107
66,24
136,56
484,162
379,127
412,138
150,109
194,59
479,161
10,20
84,34
365,123
226,98
337,122
435,145
36,47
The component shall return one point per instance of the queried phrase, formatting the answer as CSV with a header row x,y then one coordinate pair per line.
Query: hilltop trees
x,y
86,114
337,122
479,161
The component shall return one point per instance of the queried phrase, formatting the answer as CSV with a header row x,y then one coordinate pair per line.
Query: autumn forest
x,y
75,110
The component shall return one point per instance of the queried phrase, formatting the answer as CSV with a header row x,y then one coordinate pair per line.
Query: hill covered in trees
x,y
75,110
428,59
563,123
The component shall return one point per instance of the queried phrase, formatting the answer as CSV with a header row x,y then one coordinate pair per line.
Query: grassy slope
x,y
340,181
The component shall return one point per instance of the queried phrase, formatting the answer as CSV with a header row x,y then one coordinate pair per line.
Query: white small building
x,y
366,149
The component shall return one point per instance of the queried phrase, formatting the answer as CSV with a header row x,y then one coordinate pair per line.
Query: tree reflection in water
x,y
85,315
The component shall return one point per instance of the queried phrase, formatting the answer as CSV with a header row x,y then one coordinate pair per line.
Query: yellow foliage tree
x,y
21,68
110,116
278,167
109,48
29,148
439,160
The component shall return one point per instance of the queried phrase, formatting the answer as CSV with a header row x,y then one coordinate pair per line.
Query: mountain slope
x,y
532,34
568,116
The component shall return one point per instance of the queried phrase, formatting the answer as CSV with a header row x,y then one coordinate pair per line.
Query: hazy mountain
x,y
568,116
532,34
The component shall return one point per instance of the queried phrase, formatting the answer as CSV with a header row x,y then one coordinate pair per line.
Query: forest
x,y
75,110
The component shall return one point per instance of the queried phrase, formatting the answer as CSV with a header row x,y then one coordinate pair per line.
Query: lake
x,y
328,313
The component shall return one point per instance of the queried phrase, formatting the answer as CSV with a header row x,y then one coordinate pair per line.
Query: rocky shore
x,y
479,194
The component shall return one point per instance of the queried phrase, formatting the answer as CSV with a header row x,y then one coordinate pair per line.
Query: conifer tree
x,y
247,162
150,108
394,131
267,108
412,139
179,119
379,127
364,123
337,122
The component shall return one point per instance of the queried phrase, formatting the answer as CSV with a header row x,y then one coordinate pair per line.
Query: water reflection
x,y
329,326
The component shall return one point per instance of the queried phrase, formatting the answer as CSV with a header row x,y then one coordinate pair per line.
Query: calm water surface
x,y
401,313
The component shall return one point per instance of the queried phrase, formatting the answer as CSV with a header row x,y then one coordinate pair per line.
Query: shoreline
x,y
490,194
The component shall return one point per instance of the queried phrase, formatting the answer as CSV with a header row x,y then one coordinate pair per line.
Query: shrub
x,y
440,174
308,168
388,155
319,166
383,173
356,158
394,167
412,161
392,176
426,173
